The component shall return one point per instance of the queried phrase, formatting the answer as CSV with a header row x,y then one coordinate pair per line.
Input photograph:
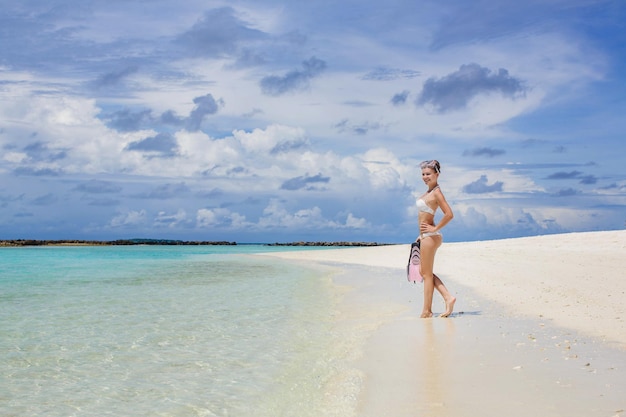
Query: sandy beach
x,y
539,327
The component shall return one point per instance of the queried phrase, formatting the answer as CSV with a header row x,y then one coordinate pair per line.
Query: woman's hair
x,y
433,163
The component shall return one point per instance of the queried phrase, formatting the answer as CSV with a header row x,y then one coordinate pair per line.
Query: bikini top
x,y
422,206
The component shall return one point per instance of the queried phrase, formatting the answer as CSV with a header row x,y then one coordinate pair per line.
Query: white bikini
x,y
423,207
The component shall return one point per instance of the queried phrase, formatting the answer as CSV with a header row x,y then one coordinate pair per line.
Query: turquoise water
x,y
167,331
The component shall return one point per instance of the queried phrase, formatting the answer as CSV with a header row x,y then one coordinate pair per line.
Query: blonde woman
x,y
431,237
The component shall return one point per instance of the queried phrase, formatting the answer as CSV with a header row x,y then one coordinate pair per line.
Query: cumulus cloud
x,y
480,186
220,217
130,218
305,181
356,222
488,152
276,215
171,220
454,91
275,85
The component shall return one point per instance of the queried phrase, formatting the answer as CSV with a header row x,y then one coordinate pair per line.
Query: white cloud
x,y
220,217
130,218
171,220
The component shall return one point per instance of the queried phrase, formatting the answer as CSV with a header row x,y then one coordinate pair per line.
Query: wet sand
x,y
538,328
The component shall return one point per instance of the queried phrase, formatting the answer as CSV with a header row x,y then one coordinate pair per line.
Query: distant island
x,y
169,242
119,242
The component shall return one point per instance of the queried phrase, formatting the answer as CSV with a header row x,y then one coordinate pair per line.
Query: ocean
x,y
169,331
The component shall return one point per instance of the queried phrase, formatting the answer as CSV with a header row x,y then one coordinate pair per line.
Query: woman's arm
x,y
445,208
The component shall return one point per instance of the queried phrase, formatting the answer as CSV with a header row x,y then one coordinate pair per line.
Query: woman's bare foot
x,y
426,315
449,307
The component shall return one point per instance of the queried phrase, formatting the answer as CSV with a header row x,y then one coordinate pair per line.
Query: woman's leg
x,y
447,297
428,247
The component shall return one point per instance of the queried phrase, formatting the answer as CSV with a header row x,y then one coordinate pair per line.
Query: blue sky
x,y
264,121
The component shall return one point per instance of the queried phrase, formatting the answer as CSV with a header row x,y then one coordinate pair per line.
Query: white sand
x,y
539,327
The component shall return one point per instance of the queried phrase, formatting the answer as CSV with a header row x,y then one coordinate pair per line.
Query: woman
x,y
431,238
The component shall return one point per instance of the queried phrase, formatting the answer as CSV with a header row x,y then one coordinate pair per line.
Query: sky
x,y
285,121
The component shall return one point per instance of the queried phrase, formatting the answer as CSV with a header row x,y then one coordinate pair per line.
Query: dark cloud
x,y
104,202
566,192
389,74
562,175
45,200
400,98
360,129
248,58
488,152
205,105
219,33
237,170
43,172
588,179
166,191
40,152
127,120
163,143
528,143
289,146
480,186
275,85
358,103
614,186
298,183
114,78
98,187
23,215
454,91
171,118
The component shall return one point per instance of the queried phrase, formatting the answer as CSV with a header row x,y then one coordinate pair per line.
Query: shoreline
x,y
530,332
171,242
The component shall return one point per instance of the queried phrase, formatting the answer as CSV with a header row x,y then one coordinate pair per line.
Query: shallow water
x,y
167,331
